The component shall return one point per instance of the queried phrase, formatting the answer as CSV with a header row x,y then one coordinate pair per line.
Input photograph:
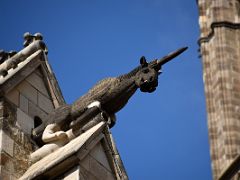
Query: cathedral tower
x,y
220,50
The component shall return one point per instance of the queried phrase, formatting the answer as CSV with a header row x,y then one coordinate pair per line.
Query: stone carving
x,y
5,55
11,60
29,38
101,103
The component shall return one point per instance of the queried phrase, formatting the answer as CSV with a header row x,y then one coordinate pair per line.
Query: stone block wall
x,y
15,145
220,49
95,165
32,99
73,174
19,108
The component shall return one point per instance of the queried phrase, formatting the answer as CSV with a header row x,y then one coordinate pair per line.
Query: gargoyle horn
x,y
159,62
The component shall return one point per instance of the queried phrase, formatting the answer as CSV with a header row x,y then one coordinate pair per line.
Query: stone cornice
x,y
217,25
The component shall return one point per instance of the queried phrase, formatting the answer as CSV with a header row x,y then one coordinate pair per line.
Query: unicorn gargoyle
x,y
106,98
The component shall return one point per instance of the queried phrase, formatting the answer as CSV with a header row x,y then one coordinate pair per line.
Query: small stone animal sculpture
x,y
109,95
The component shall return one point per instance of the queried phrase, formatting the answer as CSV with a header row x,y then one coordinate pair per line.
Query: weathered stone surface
x,y
20,158
7,162
13,96
73,174
44,103
39,72
24,122
97,169
86,163
220,36
6,143
15,146
98,154
4,175
23,103
94,167
38,83
28,91
34,110
86,175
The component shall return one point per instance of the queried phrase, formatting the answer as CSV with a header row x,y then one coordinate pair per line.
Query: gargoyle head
x,y
146,77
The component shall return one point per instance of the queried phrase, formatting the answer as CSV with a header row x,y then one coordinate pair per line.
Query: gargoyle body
x,y
109,96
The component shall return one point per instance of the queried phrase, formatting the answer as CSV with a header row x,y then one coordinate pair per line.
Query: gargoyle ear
x,y
143,61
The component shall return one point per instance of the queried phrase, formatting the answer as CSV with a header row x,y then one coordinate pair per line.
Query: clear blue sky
x,y
159,136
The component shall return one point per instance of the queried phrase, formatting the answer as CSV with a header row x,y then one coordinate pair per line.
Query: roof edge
x,y
12,63
59,156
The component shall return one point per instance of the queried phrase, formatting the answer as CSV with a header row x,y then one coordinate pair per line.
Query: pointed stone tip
x,y
171,56
182,49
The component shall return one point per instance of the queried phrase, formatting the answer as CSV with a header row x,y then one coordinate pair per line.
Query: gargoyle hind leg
x,y
92,115
53,133
92,111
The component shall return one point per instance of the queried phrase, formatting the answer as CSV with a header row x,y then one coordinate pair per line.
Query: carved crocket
x,y
109,96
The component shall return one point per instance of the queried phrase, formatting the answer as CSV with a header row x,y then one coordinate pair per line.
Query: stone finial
x,y
38,36
11,59
29,38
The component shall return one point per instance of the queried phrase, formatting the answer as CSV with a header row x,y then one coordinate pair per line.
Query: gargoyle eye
x,y
145,71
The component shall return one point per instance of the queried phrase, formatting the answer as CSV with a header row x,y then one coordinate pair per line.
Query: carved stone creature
x,y
108,96
101,103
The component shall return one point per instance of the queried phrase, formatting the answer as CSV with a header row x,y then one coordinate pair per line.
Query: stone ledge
x,y
65,157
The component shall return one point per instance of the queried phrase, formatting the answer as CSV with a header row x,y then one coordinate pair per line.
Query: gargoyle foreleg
x,y
53,133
